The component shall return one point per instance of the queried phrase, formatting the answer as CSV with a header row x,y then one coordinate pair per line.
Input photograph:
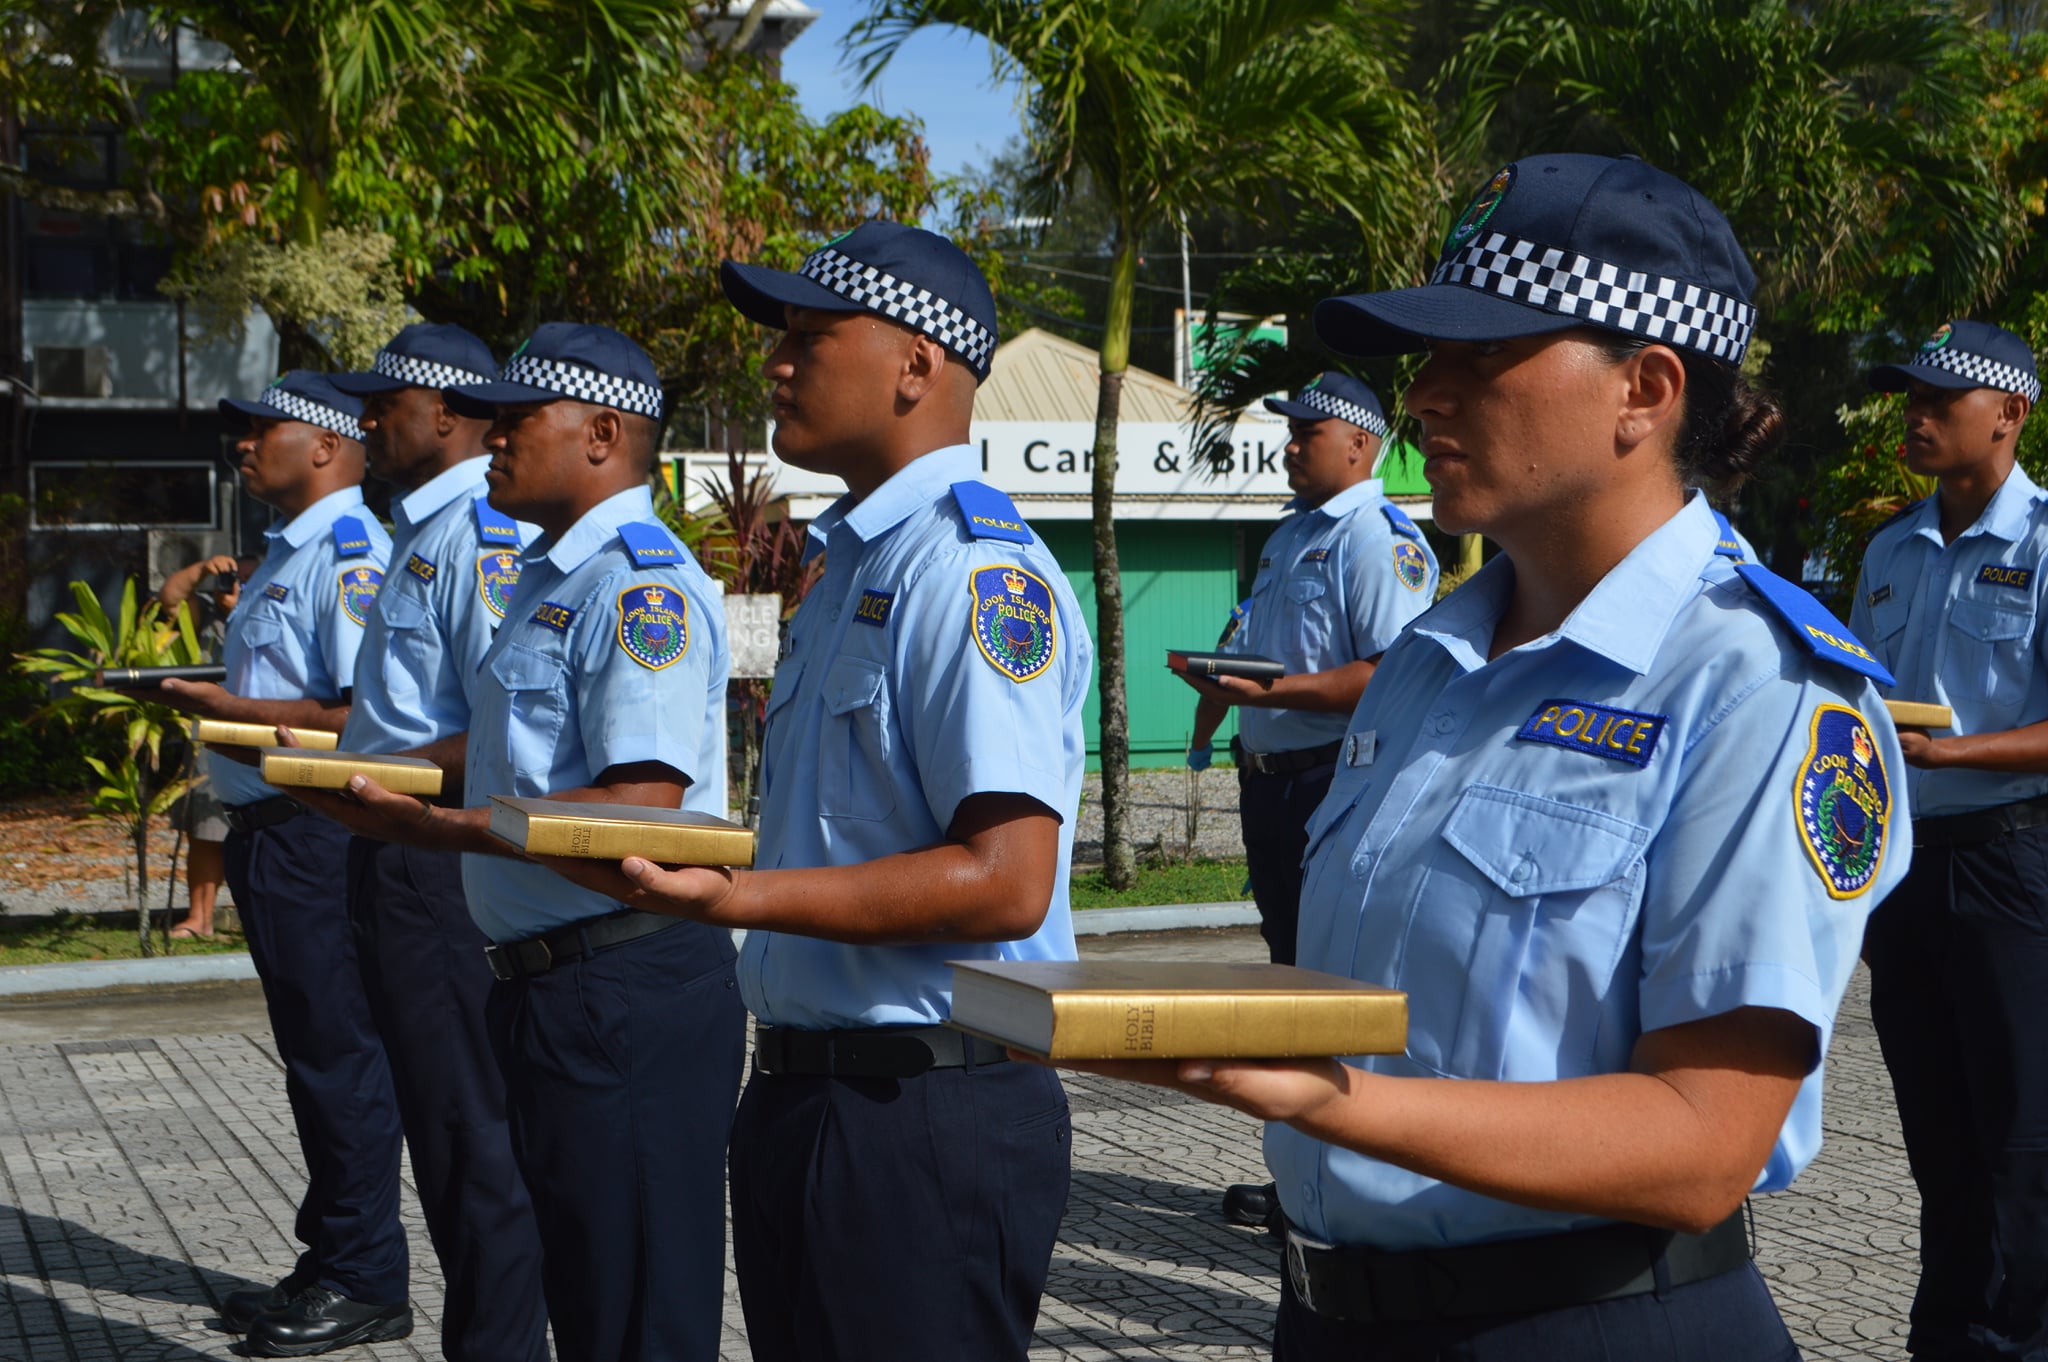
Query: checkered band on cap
x,y
312,413
1364,417
423,373
585,385
1982,370
1565,282
918,308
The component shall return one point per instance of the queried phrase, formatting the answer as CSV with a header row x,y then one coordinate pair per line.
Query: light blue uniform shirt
x,y
1958,625
904,688
1336,583
454,562
299,621
1492,845
601,661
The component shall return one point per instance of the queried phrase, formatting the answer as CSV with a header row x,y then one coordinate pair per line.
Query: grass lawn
x,y
1201,881
45,941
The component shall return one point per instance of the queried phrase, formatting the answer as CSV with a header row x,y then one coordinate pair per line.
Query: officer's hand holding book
x,y
367,809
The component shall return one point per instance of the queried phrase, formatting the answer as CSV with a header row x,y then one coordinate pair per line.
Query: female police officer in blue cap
x,y
1612,814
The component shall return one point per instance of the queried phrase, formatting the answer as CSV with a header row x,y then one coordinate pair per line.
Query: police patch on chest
x,y
1410,564
1316,556
274,592
1013,619
654,624
359,592
497,572
874,608
1616,734
1997,574
422,568
1842,800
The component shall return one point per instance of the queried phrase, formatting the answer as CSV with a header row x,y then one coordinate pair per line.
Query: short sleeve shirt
x,y
926,666
605,658
454,562
1336,584
1960,625
1661,812
299,621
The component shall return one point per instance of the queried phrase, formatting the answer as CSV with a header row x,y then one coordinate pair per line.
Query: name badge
x,y
1361,748
2018,578
1879,596
1616,734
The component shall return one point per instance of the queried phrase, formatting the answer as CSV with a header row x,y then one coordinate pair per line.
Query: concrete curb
x,y
98,976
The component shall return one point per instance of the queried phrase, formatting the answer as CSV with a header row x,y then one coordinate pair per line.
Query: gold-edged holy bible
x,y
610,832
295,767
1913,714
225,734
1138,1009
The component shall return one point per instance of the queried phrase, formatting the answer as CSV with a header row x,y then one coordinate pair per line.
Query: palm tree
x,y
1170,105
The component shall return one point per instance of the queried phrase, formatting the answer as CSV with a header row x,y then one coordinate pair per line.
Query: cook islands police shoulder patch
x,y
1410,565
654,624
1844,800
359,592
1013,619
497,572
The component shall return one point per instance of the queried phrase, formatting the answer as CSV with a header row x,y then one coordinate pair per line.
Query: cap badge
x,y
1481,208
1939,338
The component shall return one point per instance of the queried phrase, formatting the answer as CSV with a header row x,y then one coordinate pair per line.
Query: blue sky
x,y
942,76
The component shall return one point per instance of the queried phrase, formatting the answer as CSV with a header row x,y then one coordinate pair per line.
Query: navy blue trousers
x,y
620,1074
1729,1318
289,883
427,981
1959,992
908,1219
1274,812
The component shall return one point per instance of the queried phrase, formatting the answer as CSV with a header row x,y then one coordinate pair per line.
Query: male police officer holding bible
x,y
290,653
619,1032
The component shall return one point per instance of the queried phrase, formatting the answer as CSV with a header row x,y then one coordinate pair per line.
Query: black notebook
x,y
1248,665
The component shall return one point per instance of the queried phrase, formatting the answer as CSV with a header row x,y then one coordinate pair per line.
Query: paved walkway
x,y
147,1167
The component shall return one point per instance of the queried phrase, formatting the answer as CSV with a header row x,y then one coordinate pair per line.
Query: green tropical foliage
x,y
150,771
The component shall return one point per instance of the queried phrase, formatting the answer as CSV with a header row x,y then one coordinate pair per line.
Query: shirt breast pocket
x,y
1991,647
407,622
537,706
854,742
1525,909
1308,606
263,636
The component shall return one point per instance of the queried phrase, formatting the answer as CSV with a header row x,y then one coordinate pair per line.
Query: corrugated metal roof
x,y
1038,376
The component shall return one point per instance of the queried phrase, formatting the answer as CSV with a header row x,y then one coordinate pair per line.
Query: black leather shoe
x,y
319,1320
1247,1204
240,1309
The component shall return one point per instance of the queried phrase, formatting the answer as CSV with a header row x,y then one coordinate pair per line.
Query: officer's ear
x,y
1654,395
325,448
2012,414
924,368
1365,446
604,435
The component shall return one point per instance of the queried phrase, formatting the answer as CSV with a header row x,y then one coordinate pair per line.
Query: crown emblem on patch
x,y
656,596
1859,743
1014,581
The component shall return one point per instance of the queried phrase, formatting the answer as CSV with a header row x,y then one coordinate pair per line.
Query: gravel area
x,y
1159,815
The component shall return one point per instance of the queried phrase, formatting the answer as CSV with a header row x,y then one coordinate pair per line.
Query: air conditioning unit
x,y
74,371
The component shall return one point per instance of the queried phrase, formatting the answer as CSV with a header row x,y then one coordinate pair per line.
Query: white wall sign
x,y
753,631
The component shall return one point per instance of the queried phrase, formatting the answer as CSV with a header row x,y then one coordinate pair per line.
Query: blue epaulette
x,y
1398,518
650,545
494,527
1818,632
351,540
990,514
1726,544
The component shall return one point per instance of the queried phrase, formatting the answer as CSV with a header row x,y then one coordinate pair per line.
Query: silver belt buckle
x,y
1298,1245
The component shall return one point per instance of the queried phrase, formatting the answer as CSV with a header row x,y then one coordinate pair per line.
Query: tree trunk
x,y
141,831
1119,866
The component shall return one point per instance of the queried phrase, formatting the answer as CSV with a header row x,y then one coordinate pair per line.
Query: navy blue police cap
x,y
1334,393
299,395
1553,242
424,355
574,360
1965,354
911,276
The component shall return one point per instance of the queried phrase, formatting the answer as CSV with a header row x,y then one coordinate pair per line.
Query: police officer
x,y
619,1032
1612,814
454,562
1337,580
290,653
897,1186
1950,598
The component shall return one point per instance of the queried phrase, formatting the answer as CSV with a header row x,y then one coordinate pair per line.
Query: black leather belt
x,y
1979,826
577,941
1509,1277
877,1052
1285,763
264,813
